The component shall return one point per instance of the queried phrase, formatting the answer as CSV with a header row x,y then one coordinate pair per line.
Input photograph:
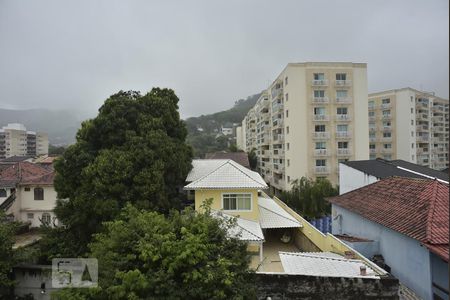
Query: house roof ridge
x,y
278,214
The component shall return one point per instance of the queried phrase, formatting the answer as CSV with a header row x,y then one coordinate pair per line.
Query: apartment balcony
x,y
373,129
278,138
422,128
278,168
278,107
423,139
386,150
387,128
343,100
439,150
277,123
321,135
438,119
386,139
278,152
343,135
322,82
277,92
372,151
438,129
343,118
372,139
322,170
421,105
320,100
438,108
422,117
372,107
385,105
343,83
321,152
386,117
372,119
278,183
343,152
320,118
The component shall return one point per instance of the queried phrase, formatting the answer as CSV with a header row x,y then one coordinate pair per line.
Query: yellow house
x,y
279,240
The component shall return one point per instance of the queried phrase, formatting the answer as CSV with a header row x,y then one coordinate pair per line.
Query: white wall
x,y
403,125
351,179
361,118
409,261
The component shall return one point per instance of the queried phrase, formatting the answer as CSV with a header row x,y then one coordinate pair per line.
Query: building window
x,y
372,135
287,146
341,94
412,122
237,201
38,194
320,128
412,133
288,162
46,219
287,97
387,134
341,110
2,193
371,146
287,129
371,114
321,145
27,189
319,94
386,112
342,145
412,146
321,162
289,179
386,124
286,81
386,101
319,76
342,128
319,111
412,110
287,113
30,216
387,146
341,76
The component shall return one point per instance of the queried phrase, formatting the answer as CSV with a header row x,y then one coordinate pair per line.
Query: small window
x,y
412,146
287,97
341,110
288,162
341,76
286,81
319,76
386,101
387,134
412,122
319,111
237,201
342,128
2,193
289,179
371,114
320,128
412,110
287,146
30,216
319,93
371,146
321,145
38,194
341,94
27,189
46,219
387,146
287,129
287,113
321,163
342,145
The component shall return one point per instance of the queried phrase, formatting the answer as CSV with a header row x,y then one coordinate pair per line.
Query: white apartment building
x,y
313,116
411,125
15,140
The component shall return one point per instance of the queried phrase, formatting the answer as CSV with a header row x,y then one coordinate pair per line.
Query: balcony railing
x,y
320,117
386,139
320,152
343,100
277,92
386,150
321,135
278,107
372,118
386,117
342,117
372,151
372,139
424,139
387,128
321,82
385,105
320,100
278,152
373,129
343,152
322,170
343,83
343,134
278,138
372,107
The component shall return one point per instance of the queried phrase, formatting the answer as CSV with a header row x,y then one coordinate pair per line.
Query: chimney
x,y
363,270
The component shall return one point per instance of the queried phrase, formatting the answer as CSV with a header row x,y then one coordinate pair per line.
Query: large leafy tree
x,y
133,151
7,261
187,255
307,197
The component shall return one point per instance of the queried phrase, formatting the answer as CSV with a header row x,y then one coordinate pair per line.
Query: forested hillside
x,y
203,131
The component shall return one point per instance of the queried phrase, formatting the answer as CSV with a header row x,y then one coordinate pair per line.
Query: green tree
x,y
252,159
7,261
307,197
187,255
133,151
56,150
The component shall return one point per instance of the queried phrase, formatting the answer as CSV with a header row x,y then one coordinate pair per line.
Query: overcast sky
x,y
74,54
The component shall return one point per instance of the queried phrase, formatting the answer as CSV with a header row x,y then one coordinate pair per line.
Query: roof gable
x,y
25,173
417,208
229,175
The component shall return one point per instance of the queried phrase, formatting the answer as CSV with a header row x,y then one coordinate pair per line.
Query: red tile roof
x,y
239,157
25,173
418,208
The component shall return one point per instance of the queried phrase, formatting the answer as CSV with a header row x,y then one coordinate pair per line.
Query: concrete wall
x,y
29,280
351,179
403,126
216,195
283,286
439,275
409,261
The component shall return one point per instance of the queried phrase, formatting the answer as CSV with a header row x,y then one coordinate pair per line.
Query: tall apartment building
x,y
411,125
15,140
313,116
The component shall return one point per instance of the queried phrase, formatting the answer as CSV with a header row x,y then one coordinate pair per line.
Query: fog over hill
x,y
60,125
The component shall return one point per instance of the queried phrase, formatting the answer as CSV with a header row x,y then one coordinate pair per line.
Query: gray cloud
x,y
74,54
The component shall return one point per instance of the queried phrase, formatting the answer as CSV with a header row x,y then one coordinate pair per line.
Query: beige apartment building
x,y
313,116
411,125
15,140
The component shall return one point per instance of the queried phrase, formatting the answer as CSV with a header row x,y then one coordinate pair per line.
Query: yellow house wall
x,y
216,195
